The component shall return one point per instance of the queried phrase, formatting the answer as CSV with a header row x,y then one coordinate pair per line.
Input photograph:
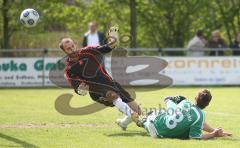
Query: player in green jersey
x,y
182,119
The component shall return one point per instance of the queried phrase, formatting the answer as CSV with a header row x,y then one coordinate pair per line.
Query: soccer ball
x,y
29,17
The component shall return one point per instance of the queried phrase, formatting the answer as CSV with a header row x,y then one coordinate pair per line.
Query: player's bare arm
x,y
209,129
218,132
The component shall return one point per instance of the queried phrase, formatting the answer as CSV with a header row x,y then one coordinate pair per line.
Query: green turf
x,y
21,107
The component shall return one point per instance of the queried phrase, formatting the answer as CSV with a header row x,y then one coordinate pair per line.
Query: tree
x,y
6,30
229,11
11,10
167,23
151,23
133,23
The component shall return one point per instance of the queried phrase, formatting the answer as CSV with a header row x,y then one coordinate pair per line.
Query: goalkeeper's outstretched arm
x,y
112,41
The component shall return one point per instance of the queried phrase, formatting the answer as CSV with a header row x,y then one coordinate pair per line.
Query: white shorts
x,y
149,125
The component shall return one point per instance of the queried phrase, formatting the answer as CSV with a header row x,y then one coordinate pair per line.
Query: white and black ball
x,y
29,17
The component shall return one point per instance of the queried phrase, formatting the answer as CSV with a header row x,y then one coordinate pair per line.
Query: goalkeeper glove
x,y
82,89
113,39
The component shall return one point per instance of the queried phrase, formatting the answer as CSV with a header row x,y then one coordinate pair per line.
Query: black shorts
x,y
100,95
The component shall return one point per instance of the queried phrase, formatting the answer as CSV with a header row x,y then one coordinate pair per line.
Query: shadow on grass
x,y
128,134
17,141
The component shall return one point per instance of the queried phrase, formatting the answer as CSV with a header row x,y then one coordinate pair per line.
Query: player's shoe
x,y
135,117
121,125
141,122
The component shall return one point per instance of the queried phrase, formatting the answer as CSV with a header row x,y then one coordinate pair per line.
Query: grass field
x,y
28,118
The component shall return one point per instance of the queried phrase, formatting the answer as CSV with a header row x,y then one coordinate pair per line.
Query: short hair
x,y
199,33
92,22
216,33
62,41
203,98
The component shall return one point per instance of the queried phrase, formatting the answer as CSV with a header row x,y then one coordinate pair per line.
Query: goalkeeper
x,y
85,72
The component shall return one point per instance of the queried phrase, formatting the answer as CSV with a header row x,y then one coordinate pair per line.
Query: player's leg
x,y
147,124
99,97
151,129
125,121
107,91
118,102
110,92
110,98
127,98
134,106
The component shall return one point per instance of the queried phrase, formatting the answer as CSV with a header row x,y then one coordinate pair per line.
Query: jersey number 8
x,y
173,119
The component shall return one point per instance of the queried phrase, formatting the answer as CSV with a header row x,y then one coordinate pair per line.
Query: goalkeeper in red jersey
x,y
86,73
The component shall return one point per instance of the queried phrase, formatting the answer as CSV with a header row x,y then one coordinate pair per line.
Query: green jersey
x,y
183,120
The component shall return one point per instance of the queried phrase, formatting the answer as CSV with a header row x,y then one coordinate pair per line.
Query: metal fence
x,y
132,51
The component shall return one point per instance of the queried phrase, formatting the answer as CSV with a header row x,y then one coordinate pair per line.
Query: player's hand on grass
x,y
218,132
226,134
83,89
112,35
222,133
